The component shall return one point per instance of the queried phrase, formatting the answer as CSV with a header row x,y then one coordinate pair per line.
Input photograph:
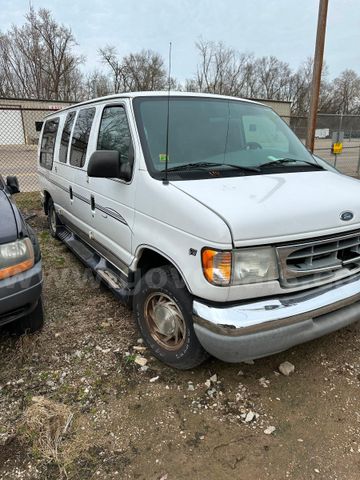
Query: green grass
x,y
28,201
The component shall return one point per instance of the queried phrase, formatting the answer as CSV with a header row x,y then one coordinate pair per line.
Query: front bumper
x,y
256,329
20,294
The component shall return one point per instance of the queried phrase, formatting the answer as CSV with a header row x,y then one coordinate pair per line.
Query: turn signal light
x,y
217,266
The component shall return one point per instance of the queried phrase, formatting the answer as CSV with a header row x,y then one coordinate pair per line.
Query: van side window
x,y
48,143
65,137
80,137
114,133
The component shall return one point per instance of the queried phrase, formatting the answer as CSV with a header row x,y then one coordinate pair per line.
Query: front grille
x,y
319,260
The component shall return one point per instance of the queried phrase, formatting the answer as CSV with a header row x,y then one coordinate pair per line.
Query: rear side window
x,y
80,137
65,137
48,143
114,133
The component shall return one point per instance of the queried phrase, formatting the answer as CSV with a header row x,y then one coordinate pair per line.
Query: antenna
x,y
166,181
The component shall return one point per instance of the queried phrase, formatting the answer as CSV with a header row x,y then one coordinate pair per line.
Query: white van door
x,y
109,215
78,215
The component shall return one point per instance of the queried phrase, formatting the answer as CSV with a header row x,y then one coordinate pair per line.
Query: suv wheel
x,y
163,313
31,322
53,220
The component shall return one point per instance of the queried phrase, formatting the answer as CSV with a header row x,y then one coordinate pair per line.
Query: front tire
x,y
163,313
53,220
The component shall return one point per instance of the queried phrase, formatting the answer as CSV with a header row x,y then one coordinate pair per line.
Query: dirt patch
x,y
207,423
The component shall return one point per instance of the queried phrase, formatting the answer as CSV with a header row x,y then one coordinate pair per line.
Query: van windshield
x,y
210,137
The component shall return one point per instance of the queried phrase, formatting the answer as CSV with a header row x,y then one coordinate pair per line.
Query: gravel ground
x,y
76,403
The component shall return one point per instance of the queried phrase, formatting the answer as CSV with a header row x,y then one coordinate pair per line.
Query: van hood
x,y
8,225
261,209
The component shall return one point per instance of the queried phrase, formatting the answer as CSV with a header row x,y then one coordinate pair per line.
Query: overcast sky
x,y
284,28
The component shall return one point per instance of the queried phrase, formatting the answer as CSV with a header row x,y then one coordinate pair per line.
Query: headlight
x,y
252,265
216,266
16,257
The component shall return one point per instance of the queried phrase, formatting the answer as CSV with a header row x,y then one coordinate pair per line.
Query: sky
x,y
284,28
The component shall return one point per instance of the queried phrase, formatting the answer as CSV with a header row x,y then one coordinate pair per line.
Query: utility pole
x,y
316,78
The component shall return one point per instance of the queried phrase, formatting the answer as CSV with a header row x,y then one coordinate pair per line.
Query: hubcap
x,y
165,321
53,219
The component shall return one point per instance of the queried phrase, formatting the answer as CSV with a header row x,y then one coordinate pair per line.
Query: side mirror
x,y
12,185
104,164
38,126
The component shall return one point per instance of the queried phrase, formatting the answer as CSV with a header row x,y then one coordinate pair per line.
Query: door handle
x,y
71,193
92,202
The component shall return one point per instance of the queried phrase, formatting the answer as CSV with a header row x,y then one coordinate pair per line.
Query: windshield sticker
x,y
162,157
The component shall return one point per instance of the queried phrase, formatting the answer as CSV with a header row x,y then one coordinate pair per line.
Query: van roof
x,y
162,93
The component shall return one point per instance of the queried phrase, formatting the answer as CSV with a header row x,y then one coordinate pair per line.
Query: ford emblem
x,y
347,216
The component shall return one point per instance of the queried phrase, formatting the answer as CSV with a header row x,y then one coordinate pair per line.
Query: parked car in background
x,y
20,266
209,216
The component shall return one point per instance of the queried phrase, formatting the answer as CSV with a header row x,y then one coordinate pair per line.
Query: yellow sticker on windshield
x,y
162,157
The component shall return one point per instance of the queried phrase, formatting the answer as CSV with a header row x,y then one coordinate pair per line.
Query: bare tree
x,y
221,70
37,61
134,72
96,84
273,78
109,57
346,92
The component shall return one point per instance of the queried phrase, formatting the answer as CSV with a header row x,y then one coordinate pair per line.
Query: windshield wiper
x,y
285,160
201,165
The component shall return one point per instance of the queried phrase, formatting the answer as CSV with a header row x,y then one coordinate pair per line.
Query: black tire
x,y
31,322
54,222
165,283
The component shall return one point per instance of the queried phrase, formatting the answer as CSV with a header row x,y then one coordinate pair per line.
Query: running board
x,y
104,271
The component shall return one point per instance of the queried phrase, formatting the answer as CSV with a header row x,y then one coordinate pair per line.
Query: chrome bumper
x,y
256,329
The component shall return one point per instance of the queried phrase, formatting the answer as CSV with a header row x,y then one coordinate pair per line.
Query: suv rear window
x,y
48,143
80,137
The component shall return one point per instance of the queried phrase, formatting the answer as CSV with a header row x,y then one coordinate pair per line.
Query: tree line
x,y
39,60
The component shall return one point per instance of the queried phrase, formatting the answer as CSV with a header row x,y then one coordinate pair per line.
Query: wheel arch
x,y
147,257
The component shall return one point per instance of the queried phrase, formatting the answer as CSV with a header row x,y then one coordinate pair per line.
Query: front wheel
x,y
53,220
163,313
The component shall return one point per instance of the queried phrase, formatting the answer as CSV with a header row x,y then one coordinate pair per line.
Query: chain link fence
x,y
19,139
331,128
18,144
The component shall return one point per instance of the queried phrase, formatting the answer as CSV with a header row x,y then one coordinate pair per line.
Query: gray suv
x,y
20,266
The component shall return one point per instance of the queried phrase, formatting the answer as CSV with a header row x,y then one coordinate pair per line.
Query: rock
x,y
208,384
140,341
213,378
211,392
249,362
240,373
140,360
191,387
153,379
249,417
144,368
264,382
286,368
269,430
139,348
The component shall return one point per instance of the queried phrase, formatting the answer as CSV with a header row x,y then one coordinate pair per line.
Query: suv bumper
x,y
20,294
256,329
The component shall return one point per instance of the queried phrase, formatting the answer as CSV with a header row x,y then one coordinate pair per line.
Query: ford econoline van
x,y
209,217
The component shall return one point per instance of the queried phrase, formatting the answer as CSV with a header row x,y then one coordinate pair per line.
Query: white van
x,y
208,216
